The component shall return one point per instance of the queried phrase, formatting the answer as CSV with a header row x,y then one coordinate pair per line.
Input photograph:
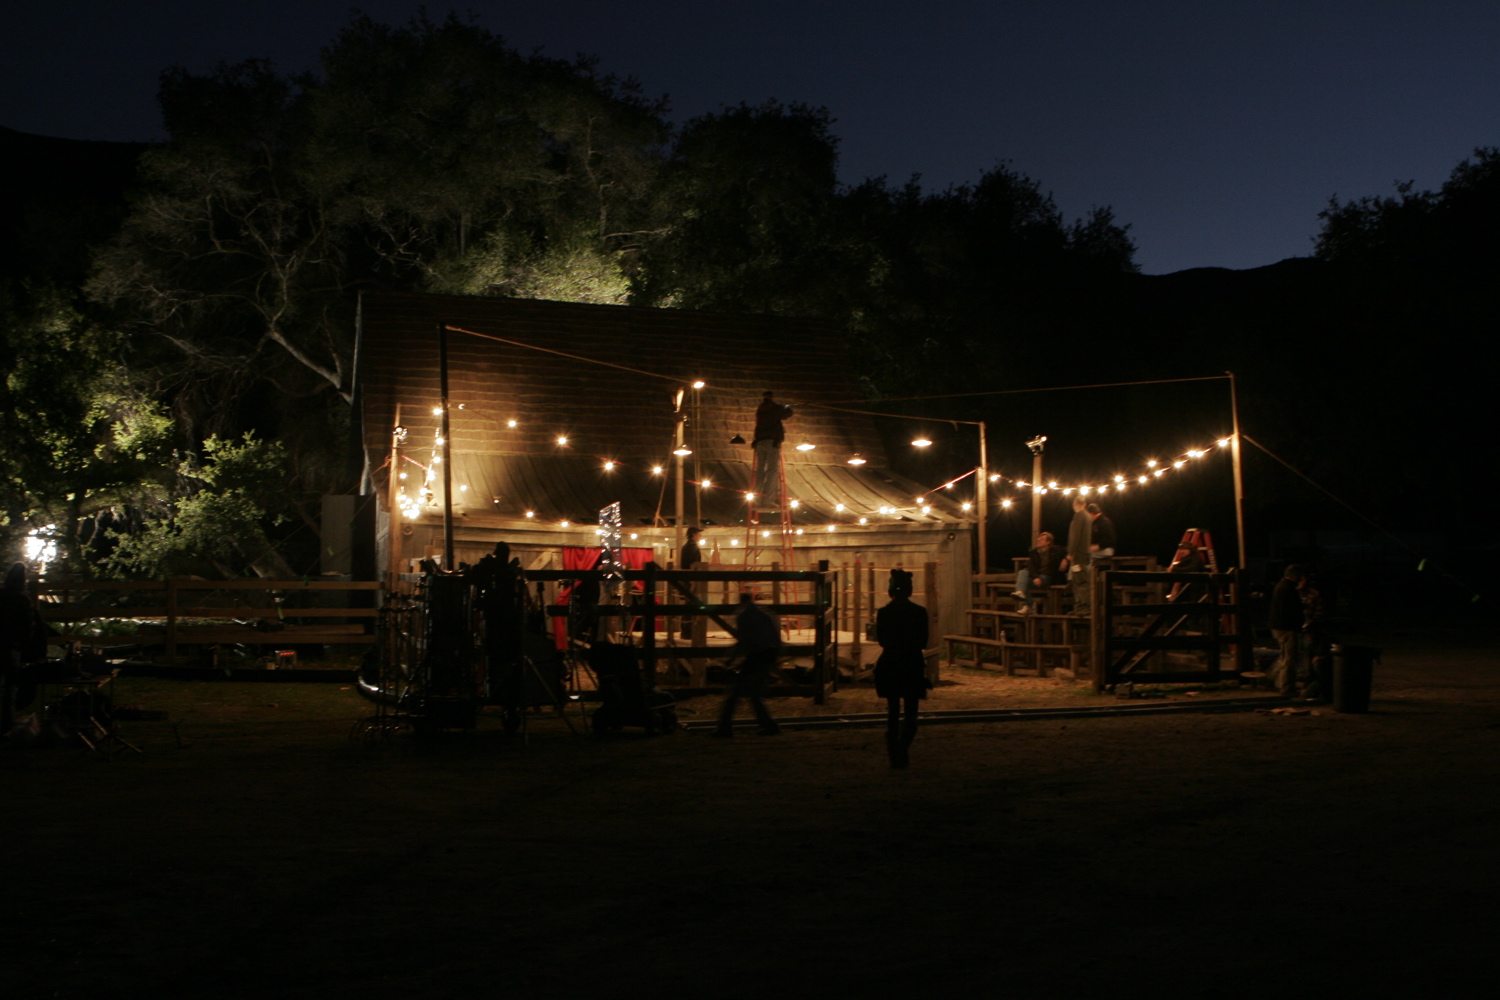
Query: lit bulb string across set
x,y
1120,483
1154,470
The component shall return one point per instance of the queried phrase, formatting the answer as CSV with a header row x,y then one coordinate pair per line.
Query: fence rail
x,y
203,622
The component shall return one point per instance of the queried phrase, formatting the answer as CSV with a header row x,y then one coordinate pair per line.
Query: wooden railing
x,y
181,612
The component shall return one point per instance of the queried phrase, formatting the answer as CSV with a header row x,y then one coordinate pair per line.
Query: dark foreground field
x,y
1239,855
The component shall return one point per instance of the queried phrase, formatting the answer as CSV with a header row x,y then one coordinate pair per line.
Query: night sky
x,y
1218,131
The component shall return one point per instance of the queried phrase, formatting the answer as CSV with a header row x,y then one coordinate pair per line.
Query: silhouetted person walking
x,y
759,642
901,671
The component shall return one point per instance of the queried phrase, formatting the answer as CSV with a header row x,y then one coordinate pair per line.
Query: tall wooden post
x,y
393,522
1036,498
448,564
983,499
678,447
1239,479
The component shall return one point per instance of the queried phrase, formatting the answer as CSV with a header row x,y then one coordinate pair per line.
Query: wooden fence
x,y
182,612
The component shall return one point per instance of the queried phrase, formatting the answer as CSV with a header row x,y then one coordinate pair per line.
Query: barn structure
x,y
558,410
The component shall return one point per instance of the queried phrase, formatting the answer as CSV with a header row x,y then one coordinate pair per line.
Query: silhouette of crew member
x,y
759,641
901,671
769,433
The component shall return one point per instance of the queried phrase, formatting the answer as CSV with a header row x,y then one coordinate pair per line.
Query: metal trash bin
x,y
1353,672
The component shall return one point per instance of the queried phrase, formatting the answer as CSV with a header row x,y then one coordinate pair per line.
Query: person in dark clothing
x,y
690,557
758,640
1102,535
1080,534
1043,568
23,642
901,670
1286,620
691,554
769,433
1319,643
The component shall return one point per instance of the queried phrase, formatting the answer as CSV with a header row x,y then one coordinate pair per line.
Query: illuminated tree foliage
x,y
427,156
216,520
81,441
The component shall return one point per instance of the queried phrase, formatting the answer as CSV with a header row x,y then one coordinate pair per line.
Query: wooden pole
x,y
448,564
393,491
1036,498
679,443
983,498
1239,478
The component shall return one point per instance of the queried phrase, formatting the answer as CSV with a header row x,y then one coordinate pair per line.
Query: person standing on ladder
x,y
769,433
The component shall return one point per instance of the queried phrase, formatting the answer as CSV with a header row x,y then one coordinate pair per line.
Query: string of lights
x,y
1153,471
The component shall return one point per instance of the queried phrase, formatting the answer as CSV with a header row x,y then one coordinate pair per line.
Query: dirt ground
x,y
255,850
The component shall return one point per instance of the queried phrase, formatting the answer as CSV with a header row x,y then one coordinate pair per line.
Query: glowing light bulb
x,y
806,446
922,443
1151,464
1179,463
463,488
1158,472
562,439
795,504
566,524
609,466
856,459
965,505
699,384
1052,485
864,520
1005,504
734,541
838,507
830,527
403,475
995,478
749,496
437,411
510,423
707,485
531,513
1223,442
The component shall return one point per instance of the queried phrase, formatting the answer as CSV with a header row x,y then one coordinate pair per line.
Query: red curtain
x,y
583,557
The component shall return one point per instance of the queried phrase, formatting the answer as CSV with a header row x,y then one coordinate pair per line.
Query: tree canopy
x,y
433,156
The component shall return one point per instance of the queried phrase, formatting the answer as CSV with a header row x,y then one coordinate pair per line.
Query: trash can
x,y
1353,670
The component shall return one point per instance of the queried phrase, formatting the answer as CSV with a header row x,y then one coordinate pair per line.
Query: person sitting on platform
x,y
1043,568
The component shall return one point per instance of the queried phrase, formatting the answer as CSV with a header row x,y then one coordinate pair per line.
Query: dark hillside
x,y
63,196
